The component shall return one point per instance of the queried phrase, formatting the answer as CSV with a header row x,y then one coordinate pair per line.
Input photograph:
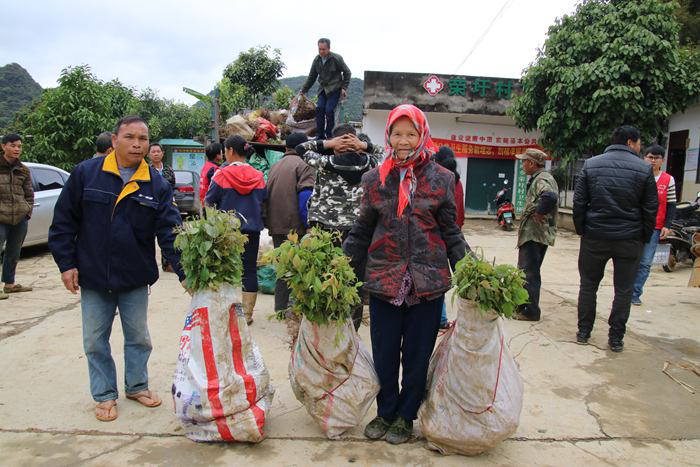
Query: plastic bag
x,y
301,110
264,131
238,125
267,279
474,389
221,389
332,374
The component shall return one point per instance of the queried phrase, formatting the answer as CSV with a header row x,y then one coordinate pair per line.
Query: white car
x,y
47,182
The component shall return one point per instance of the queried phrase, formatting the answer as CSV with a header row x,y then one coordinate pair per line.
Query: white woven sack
x,y
221,389
332,374
474,389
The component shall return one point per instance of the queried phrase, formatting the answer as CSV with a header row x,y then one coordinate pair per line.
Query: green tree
x,y
60,127
232,98
257,71
283,97
608,64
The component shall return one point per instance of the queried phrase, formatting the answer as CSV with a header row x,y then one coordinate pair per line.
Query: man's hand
x,y
343,93
70,280
539,217
351,143
664,233
183,283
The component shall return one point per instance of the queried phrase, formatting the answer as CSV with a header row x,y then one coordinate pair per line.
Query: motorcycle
x,y
506,210
684,242
688,213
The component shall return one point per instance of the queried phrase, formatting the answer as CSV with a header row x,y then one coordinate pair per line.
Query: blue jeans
x,y
98,310
11,238
443,316
645,265
325,114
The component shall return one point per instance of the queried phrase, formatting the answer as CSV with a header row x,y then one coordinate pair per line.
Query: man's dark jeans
x,y
592,258
11,240
530,257
325,114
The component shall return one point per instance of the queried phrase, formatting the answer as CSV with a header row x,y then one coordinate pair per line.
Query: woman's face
x,y
155,154
403,137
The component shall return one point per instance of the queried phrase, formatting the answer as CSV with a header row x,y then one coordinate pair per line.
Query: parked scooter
x,y
688,214
506,210
682,239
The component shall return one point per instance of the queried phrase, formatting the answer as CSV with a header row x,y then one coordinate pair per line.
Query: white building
x,y
466,113
682,152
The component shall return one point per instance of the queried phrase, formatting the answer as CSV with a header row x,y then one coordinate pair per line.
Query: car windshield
x,y
183,178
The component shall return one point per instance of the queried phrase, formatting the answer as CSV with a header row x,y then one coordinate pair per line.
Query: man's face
x,y
155,154
131,143
323,49
636,146
655,160
12,151
529,167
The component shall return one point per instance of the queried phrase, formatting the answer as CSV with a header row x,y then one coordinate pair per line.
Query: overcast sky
x,y
166,45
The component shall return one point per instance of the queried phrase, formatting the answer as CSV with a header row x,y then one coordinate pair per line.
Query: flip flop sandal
x,y
17,288
4,296
108,417
140,396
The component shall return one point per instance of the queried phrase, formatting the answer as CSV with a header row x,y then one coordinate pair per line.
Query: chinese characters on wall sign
x,y
471,87
493,139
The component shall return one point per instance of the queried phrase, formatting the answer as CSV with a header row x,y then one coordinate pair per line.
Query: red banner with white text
x,y
484,151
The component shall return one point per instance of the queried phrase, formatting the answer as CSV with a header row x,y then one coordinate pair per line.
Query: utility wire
x,y
505,6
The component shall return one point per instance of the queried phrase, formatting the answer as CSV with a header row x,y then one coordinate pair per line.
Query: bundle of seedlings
x,y
303,109
474,389
221,389
331,370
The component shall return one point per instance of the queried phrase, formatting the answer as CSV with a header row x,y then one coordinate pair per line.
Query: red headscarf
x,y
423,151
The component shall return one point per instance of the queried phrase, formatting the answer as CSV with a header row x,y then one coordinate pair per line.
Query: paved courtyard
x,y
583,405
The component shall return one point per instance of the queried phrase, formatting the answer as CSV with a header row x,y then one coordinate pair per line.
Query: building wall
x,y
688,120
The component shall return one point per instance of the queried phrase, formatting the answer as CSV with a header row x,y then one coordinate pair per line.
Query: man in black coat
x,y
615,203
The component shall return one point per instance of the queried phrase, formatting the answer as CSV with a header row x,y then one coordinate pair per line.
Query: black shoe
x,y
616,345
520,316
582,338
399,432
377,428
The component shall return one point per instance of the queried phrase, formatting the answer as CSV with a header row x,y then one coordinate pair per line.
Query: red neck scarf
x,y
422,151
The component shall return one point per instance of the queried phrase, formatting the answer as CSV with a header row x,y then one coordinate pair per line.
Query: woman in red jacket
x,y
407,233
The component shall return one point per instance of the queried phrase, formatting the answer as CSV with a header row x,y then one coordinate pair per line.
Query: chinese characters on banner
x,y
521,187
493,139
483,150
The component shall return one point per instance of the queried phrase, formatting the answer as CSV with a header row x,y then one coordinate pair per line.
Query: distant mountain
x,y
17,89
352,106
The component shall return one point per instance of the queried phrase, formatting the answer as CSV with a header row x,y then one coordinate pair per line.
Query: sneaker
x,y
399,432
377,428
636,302
616,345
582,338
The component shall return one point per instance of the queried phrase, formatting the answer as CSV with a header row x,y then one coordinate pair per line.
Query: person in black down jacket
x,y
615,203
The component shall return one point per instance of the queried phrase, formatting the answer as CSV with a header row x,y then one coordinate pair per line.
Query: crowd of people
x,y
398,206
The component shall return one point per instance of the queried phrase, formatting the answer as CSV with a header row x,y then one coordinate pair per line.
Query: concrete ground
x,y
583,405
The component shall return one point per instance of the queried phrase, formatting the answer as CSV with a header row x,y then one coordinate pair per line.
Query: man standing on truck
x,y
333,79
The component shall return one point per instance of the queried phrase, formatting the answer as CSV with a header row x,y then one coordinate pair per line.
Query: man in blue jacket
x,y
103,240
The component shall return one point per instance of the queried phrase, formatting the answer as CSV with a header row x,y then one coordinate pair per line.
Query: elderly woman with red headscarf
x,y
407,233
